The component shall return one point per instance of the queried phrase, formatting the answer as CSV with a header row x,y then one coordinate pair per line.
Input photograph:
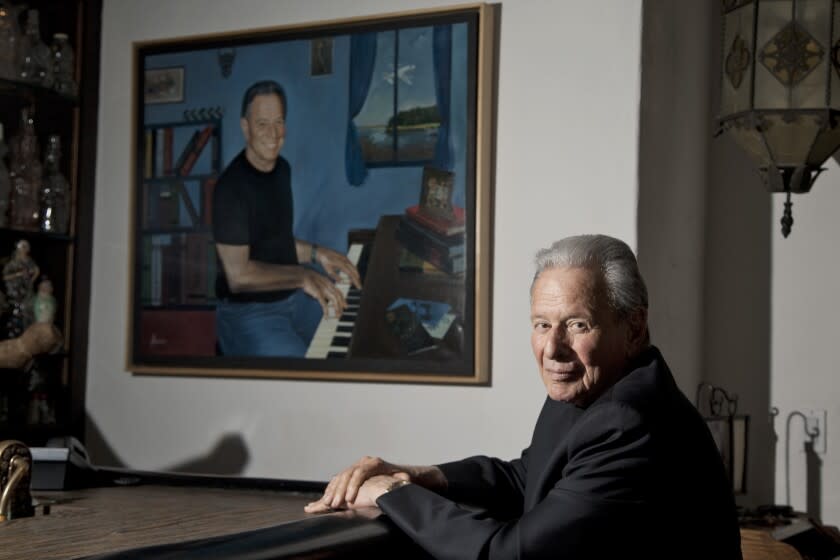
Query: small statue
x,y
19,275
43,303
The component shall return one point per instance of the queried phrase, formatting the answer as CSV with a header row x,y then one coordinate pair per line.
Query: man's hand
x,y
344,487
350,488
323,290
337,265
373,488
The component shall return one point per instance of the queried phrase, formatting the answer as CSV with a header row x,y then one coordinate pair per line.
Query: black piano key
x,y
340,341
344,329
334,354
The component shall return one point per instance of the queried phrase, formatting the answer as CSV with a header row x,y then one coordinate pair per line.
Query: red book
x,y
207,200
192,157
439,225
167,151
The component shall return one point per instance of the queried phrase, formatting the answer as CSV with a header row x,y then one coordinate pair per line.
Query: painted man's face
x,y
264,128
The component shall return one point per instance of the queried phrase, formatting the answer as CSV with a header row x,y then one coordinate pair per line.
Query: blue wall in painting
x,y
326,205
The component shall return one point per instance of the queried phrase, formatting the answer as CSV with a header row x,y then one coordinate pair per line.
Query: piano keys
x,y
362,330
332,337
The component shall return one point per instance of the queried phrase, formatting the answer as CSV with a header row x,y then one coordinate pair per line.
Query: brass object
x,y
15,475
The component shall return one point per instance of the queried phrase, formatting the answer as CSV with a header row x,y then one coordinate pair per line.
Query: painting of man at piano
x,y
290,224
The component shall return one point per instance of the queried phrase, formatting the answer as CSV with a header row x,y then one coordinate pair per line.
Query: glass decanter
x,y
5,183
63,65
10,39
55,212
26,175
35,56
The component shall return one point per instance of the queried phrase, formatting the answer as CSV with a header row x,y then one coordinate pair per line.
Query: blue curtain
x,y
443,78
362,59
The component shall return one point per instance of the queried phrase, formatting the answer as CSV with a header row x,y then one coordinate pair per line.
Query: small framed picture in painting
x,y
163,85
321,56
436,193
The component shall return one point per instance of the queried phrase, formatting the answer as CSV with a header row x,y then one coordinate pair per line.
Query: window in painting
x,y
399,121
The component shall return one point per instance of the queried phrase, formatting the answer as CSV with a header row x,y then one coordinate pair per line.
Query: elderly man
x,y
620,464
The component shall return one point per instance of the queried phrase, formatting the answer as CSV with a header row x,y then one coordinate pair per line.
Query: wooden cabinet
x,y
47,398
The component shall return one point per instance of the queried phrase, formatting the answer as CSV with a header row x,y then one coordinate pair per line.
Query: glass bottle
x,y
5,183
35,56
10,39
55,214
63,65
26,175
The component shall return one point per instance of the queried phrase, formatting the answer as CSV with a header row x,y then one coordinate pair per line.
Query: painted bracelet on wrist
x,y
313,254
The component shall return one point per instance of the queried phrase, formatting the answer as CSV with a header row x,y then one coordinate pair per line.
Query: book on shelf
x,y
195,150
146,271
149,154
450,259
172,257
168,135
207,188
441,226
186,151
161,206
194,274
450,244
212,264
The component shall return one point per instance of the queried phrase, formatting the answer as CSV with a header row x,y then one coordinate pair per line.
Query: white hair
x,y
610,257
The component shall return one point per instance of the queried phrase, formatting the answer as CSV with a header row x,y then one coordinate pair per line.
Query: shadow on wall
x,y
813,464
704,227
229,456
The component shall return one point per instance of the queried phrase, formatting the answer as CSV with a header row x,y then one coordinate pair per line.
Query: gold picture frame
x,y
442,277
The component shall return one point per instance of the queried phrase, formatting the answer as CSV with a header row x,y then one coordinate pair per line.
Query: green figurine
x,y
43,302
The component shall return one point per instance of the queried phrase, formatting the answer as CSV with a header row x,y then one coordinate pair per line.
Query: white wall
x,y
806,310
566,163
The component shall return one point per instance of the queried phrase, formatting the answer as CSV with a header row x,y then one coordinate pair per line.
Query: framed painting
x,y
320,207
163,85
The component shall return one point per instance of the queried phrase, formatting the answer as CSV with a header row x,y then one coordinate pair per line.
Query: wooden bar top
x,y
101,520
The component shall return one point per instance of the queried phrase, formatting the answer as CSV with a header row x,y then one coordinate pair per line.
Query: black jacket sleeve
x,y
595,507
489,483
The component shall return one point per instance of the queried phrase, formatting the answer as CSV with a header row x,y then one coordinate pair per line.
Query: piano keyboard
x,y
332,337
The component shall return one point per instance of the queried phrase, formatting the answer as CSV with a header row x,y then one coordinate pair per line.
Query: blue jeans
x,y
277,328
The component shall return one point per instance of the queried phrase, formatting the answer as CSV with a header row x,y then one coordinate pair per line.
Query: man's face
x,y
580,345
264,129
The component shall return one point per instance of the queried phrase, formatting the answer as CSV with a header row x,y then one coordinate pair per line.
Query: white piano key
x,y
322,341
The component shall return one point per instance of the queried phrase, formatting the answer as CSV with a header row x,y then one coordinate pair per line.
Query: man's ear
x,y
246,131
637,333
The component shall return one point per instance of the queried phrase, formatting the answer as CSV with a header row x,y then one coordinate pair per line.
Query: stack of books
x,y
436,240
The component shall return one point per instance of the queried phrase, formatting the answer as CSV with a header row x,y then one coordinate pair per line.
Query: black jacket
x,y
634,475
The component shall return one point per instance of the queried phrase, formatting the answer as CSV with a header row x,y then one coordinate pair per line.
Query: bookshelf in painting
x,y
176,259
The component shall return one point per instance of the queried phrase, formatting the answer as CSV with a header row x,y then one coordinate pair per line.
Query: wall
x,y
565,163
804,365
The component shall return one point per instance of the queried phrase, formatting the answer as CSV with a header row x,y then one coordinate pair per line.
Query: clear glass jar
x,y
26,174
55,212
35,56
63,65
10,39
